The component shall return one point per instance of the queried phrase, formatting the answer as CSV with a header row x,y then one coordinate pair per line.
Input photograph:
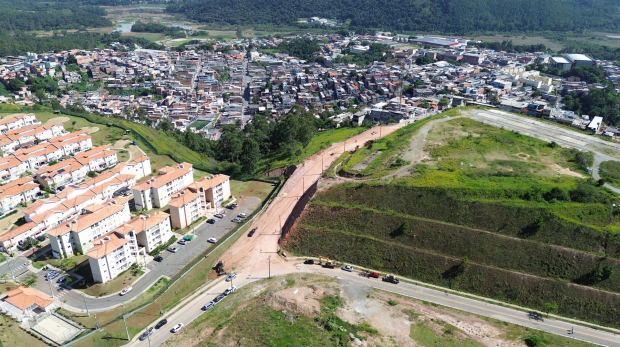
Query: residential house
x,y
25,302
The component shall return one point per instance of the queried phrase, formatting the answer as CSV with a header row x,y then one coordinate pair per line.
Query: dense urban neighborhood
x,y
95,219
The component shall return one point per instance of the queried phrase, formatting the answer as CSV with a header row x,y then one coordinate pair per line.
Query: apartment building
x,y
138,167
39,155
113,253
16,192
62,174
185,208
98,158
214,190
17,121
158,190
78,234
31,133
74,142
12,168
13,238
152,230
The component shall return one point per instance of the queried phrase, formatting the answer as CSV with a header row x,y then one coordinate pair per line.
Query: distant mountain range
x,y
447,16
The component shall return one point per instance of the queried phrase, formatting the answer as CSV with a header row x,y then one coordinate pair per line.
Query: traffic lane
x,y
14,265
484,309
187,314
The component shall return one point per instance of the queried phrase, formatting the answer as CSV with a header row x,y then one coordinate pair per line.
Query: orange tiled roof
x,y
24,297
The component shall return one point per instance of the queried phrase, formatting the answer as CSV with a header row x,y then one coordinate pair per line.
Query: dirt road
x,y
250,255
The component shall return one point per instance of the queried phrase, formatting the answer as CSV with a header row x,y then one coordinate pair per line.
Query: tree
x,y
41,95
550,307
71,59
250,155
165,125
5,277
91,174
15,85
443,102
533,341
29,280
423,60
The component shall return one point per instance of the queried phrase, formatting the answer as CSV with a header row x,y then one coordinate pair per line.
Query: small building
x,y
24,302
560,63
579,60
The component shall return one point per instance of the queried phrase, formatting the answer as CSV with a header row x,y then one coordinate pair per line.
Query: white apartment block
x,y
29,134
11,168
74,142
98,158
138,167
62,174
15,237
39,155
16,192
200,198
16,121
78,234
68,204
158,190
113,253
152,230
185,208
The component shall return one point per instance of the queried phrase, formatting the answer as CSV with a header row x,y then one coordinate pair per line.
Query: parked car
x,y
237,220
182,242
41,238
177,328
231,276
211,221
161,323
374,275
251,233
126,290
146,334
61,279
212,240
174,249
232,206
208,305
348,268
52,274
158,258
242,215
219,297
230,290
309,262
218,215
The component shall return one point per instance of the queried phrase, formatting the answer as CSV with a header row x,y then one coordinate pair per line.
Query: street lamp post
x,y
49,281
84,297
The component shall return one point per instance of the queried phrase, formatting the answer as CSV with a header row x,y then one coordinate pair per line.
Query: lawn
x,y
320,141
610,172
122,155
199,124
241,189
148,36
426,336
12,335
63,264
123,280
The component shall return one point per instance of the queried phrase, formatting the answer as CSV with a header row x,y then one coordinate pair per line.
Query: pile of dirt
x,y
302,300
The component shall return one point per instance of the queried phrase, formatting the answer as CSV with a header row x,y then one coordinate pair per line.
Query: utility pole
x,y
270,266
126,330
10,269
84,297
49,281
149,337
96,323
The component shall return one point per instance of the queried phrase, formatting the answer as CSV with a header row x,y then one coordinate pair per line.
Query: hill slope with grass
x,y
486,211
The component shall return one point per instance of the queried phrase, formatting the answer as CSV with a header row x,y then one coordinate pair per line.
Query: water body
x,y
124,27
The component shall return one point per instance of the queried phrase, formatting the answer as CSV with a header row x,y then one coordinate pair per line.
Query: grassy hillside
x,y
486,211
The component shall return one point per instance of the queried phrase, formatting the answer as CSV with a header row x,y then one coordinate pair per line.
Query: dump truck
x,y
326,262
391,278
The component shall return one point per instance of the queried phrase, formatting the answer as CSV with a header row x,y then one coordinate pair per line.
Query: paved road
x,y
171,264
193,309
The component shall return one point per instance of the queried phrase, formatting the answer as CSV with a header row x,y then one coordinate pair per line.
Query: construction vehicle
x,y
219,268
326,262
391,278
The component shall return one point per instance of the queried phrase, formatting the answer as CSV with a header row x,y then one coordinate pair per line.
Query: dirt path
x,y
251,254
134,151
90,130
57,120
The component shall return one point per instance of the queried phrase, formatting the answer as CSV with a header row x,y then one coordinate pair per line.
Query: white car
x,y
230,290
177,328
126,290
212,240
348,268
231,276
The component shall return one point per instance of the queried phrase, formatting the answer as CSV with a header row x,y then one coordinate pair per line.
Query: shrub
x,y
533,341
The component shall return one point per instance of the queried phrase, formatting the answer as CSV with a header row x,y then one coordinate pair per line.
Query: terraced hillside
x,y
506,227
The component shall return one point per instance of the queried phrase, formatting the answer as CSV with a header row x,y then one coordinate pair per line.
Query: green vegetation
x,y
301,48
49,16
173,32
377,52
450,16
428,337
486,209
596,102
610,172
199,124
